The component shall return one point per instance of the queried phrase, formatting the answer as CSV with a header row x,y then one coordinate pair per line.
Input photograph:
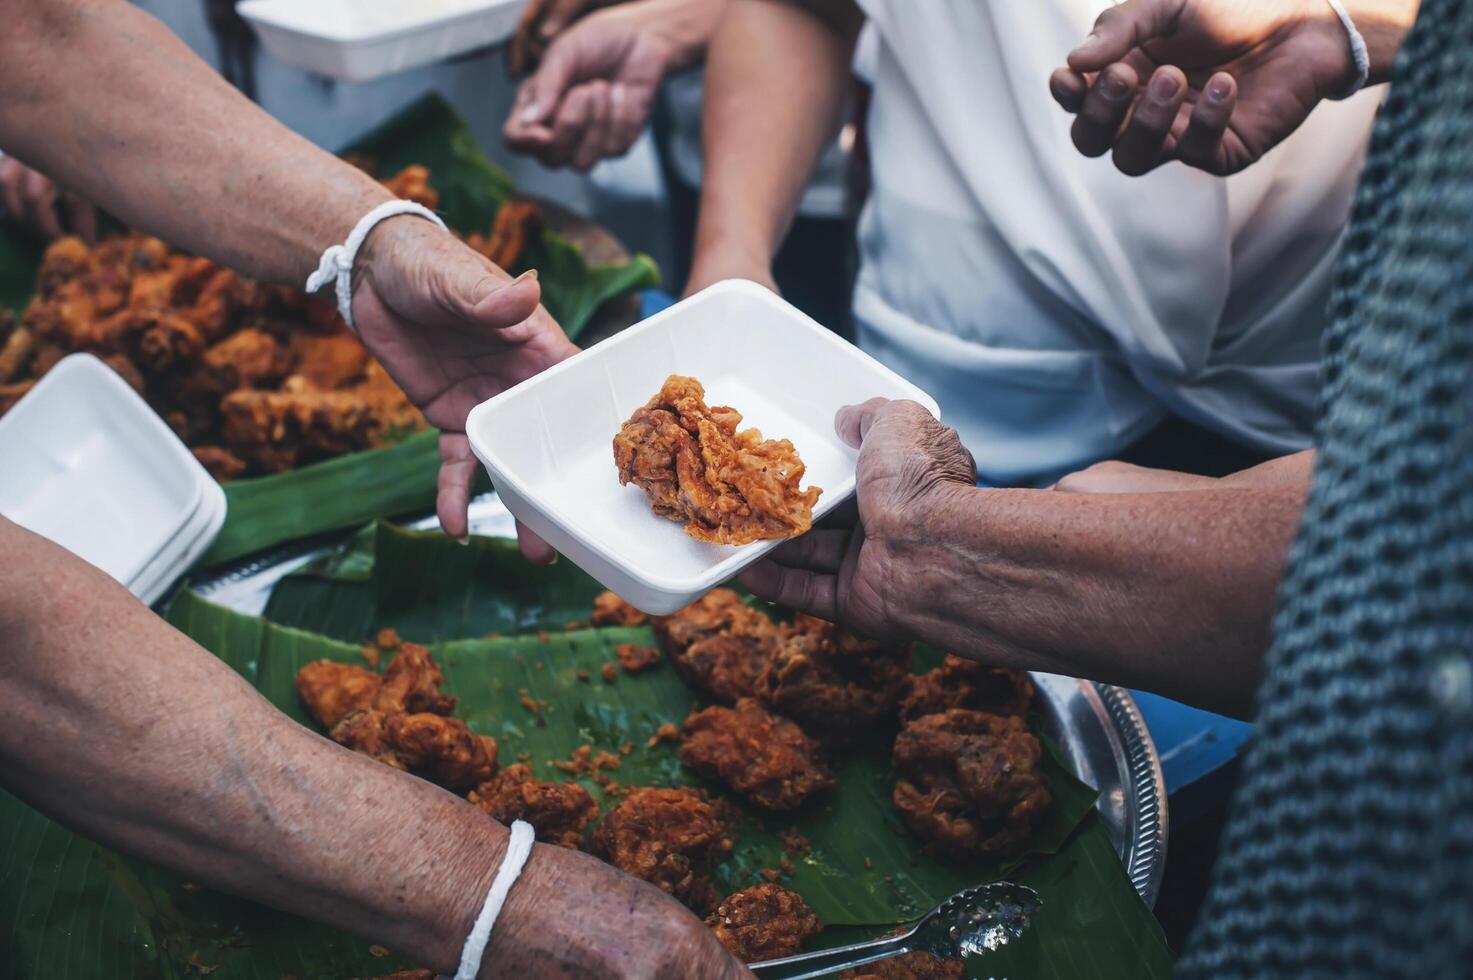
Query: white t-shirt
x,y
1057,309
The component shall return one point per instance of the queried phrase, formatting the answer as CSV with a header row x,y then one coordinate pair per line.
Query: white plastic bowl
x,y
90,466
358,40
548,442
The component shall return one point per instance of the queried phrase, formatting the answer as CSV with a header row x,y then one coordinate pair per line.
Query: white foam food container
x,y
358,40
89,465
548,442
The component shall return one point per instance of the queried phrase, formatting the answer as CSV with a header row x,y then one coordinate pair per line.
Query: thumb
x,y
1123,28
473,295
853,421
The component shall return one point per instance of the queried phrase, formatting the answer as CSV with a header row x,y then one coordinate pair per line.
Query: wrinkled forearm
x,y
776,79
1170,592
101,97
122,728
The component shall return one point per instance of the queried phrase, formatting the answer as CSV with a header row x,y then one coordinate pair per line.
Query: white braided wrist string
x,y
518,848
1358,51
337,262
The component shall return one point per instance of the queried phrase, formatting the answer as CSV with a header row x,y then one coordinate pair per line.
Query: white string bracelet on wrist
x,y
518,848
1359,53
337,262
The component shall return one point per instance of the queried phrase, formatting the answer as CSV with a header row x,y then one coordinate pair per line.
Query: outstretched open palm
x,y
1215,84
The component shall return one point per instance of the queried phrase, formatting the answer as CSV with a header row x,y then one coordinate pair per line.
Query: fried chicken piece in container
x,y
960,683
668,837
610,610
763,757
833,683
909,966
559,812
725,486
969,783
719,645
764,922
331,691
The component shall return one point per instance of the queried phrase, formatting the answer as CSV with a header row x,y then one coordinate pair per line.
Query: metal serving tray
x,y
1098,726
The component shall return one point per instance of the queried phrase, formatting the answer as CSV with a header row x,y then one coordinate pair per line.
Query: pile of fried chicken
x,y
727,486
254,378
785,700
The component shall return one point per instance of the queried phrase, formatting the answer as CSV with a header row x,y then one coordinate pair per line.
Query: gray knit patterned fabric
x,y
1350,848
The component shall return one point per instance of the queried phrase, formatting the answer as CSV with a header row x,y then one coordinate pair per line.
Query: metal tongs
x,y
973,922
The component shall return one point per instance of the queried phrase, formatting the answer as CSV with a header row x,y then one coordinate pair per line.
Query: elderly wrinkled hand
x,y
1215,84
452,330
850,569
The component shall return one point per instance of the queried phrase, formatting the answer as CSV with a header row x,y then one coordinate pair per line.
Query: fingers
x,y
628,114
546,90
574,116
458,468
1068,89
534,549
1138,150
1104,109
804,591
853,421
819,550
1121,29
1201,145
592,146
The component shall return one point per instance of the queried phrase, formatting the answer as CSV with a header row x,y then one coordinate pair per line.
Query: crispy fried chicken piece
x,y
331,691
277,430
367,733
668,837
764,922
725,486
763,757
969,783
15,353
221,464
559,812
412,683
517,223
610,610
635,658
719,645
333,360
442,750
413,184
959,683
909,966
830,681
248,358
64,259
